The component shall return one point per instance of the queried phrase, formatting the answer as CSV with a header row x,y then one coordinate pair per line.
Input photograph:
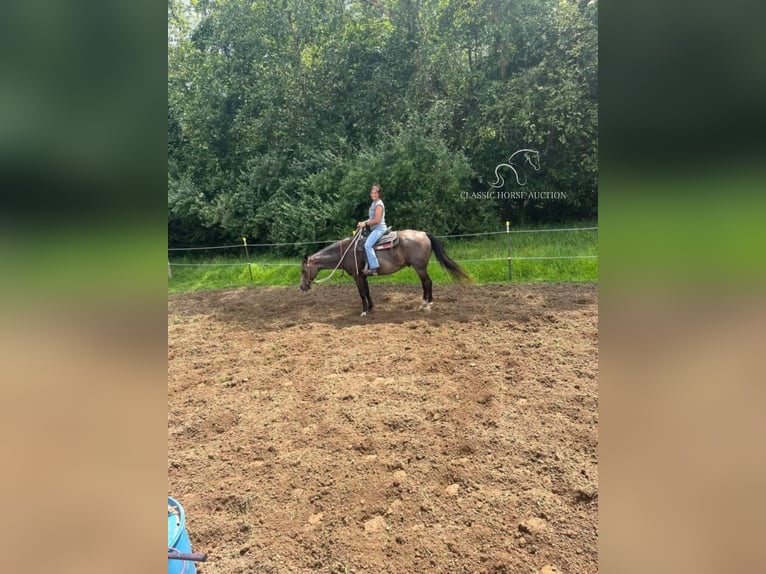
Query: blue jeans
x,y
372,238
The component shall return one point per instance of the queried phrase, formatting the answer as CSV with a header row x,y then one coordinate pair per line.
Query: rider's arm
x,y
375,220
378,216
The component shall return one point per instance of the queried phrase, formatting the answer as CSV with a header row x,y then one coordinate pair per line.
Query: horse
x,y
395,251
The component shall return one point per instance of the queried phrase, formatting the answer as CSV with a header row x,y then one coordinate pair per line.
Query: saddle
x,y
388,240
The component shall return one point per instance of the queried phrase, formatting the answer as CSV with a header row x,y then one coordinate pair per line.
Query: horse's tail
x,y
457,272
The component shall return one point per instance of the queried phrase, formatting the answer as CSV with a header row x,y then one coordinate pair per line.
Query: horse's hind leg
x,y
426,282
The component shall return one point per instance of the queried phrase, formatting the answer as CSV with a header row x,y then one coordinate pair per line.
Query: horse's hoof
x,y
364,314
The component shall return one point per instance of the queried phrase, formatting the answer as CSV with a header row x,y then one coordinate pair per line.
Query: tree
x,y
284,112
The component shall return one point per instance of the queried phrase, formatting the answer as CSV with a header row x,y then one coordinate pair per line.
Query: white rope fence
x,y
456,261
333,241
247,245
508,258
234,264
527,258
517,231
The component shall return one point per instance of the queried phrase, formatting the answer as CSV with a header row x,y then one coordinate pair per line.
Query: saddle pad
x,y
387,241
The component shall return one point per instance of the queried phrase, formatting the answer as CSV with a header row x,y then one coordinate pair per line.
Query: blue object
x,y
178,540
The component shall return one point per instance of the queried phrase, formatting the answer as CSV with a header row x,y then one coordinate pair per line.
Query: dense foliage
x,y
282,113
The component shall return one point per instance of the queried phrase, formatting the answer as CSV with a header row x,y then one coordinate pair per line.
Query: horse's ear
x,y
305,258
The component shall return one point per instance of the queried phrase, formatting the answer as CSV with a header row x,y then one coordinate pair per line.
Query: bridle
x,y
354,240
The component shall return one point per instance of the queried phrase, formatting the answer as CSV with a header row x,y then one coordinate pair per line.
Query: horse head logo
x,y
531,157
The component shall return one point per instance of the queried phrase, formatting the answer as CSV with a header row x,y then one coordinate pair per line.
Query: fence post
x,y
170,272
508,241
250,270
244,242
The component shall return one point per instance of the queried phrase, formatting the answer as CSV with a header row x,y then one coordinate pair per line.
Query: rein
x,y
353,241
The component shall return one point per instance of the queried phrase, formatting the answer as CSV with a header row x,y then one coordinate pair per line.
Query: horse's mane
x,y
333,246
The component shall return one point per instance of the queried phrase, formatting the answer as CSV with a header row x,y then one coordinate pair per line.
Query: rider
x,y
377,223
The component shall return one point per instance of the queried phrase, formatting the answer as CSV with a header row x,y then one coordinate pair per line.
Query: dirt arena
x,y
305,438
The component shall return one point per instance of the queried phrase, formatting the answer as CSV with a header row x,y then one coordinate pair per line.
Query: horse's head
x,y
309,271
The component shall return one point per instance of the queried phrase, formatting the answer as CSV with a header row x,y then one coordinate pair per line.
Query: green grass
x,y
701,230
99,259
483,257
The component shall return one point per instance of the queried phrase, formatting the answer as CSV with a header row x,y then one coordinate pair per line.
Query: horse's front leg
x,y
364,293
369,299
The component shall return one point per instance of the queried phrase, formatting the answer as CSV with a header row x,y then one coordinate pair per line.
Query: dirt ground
x,y
305,438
